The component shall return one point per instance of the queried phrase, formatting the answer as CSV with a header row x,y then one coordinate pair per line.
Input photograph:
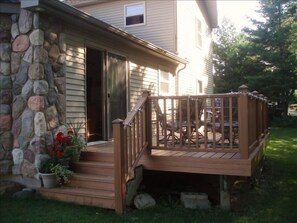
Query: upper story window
x,y
198,33
135,14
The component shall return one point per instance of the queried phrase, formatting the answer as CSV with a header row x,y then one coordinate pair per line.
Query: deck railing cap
x,y
243,88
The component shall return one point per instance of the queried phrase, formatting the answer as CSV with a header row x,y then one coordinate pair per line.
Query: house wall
x,y
75,79
170,25
143,69
160,26
32,85
200,58
43,82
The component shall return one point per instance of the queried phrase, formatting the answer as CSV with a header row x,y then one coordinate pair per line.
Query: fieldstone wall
x,y
32,88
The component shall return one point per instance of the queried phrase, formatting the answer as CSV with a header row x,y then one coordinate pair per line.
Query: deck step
x,y
96,156
91,181
83,196
93,167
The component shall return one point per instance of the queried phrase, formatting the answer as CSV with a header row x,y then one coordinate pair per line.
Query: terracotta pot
x,y
49,180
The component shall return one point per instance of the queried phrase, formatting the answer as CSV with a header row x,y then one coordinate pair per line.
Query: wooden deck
x,y
179,134
216,162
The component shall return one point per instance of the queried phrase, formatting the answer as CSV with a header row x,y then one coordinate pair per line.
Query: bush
x,y
284,122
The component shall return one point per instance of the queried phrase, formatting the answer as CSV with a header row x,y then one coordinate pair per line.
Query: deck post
x,y
225,192
148,120
243,122
119,165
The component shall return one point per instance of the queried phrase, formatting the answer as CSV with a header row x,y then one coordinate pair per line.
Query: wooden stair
x,y
92,183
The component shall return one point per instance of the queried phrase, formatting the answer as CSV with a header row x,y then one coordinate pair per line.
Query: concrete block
x,y
195,200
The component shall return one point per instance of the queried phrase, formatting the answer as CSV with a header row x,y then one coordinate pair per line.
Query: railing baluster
x,y
230,122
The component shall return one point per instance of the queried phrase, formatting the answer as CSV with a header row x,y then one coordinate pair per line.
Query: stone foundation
x,y
32,88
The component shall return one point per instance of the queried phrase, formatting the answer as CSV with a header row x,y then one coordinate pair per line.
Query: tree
x,y
228,57
273,46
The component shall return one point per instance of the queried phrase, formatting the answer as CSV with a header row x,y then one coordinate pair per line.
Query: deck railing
x,y
130,141
232,122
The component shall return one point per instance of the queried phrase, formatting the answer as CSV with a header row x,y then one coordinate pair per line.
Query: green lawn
x,y
273,198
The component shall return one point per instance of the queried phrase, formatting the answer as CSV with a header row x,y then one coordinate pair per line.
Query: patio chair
x,y
169,127
188,121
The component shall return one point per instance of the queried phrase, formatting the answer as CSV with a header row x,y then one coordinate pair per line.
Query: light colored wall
x,y
160,20
200,59
75,79
143,70
170,25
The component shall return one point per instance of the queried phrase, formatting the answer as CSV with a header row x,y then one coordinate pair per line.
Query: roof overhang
x,y
9,7
212,12
72,15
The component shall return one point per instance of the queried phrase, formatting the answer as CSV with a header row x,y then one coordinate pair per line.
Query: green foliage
x,y
62,172
229,55
284,122
271,42
58,167
77,138
264,57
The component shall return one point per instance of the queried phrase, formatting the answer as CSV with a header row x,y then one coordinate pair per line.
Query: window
x,y
198,33
164,82
134,14
199,89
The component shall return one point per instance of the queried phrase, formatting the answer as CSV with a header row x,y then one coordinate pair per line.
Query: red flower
x,y
60,153
59,136
50,152
70,132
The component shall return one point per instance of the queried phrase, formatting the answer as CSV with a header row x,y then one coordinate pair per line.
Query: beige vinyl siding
x,y
200,58
75,80
142,78
160,26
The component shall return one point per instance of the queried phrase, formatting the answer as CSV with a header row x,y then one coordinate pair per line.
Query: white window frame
x,y
199,87
169,81
198,33
125,14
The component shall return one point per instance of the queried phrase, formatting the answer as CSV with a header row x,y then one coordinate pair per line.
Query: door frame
x,y
106,127
107,99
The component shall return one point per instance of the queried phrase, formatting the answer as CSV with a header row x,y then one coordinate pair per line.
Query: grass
x,y
271,199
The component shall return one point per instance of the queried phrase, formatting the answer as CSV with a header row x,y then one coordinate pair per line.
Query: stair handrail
x,y
130,142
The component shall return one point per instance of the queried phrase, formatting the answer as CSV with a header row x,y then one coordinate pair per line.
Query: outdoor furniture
x,y
169,127
190,120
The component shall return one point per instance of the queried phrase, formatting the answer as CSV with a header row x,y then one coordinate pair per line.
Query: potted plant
x,y
69,144
66,146
53,172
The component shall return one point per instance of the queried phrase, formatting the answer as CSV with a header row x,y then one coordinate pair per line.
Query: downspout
x,y
177,76
176,48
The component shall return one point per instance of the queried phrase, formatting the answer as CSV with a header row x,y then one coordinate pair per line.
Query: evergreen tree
x,y
273,46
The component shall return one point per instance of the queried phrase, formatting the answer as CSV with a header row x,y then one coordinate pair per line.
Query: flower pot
x,y
49,180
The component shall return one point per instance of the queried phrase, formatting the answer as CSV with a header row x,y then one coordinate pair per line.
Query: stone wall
x,y
32,88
